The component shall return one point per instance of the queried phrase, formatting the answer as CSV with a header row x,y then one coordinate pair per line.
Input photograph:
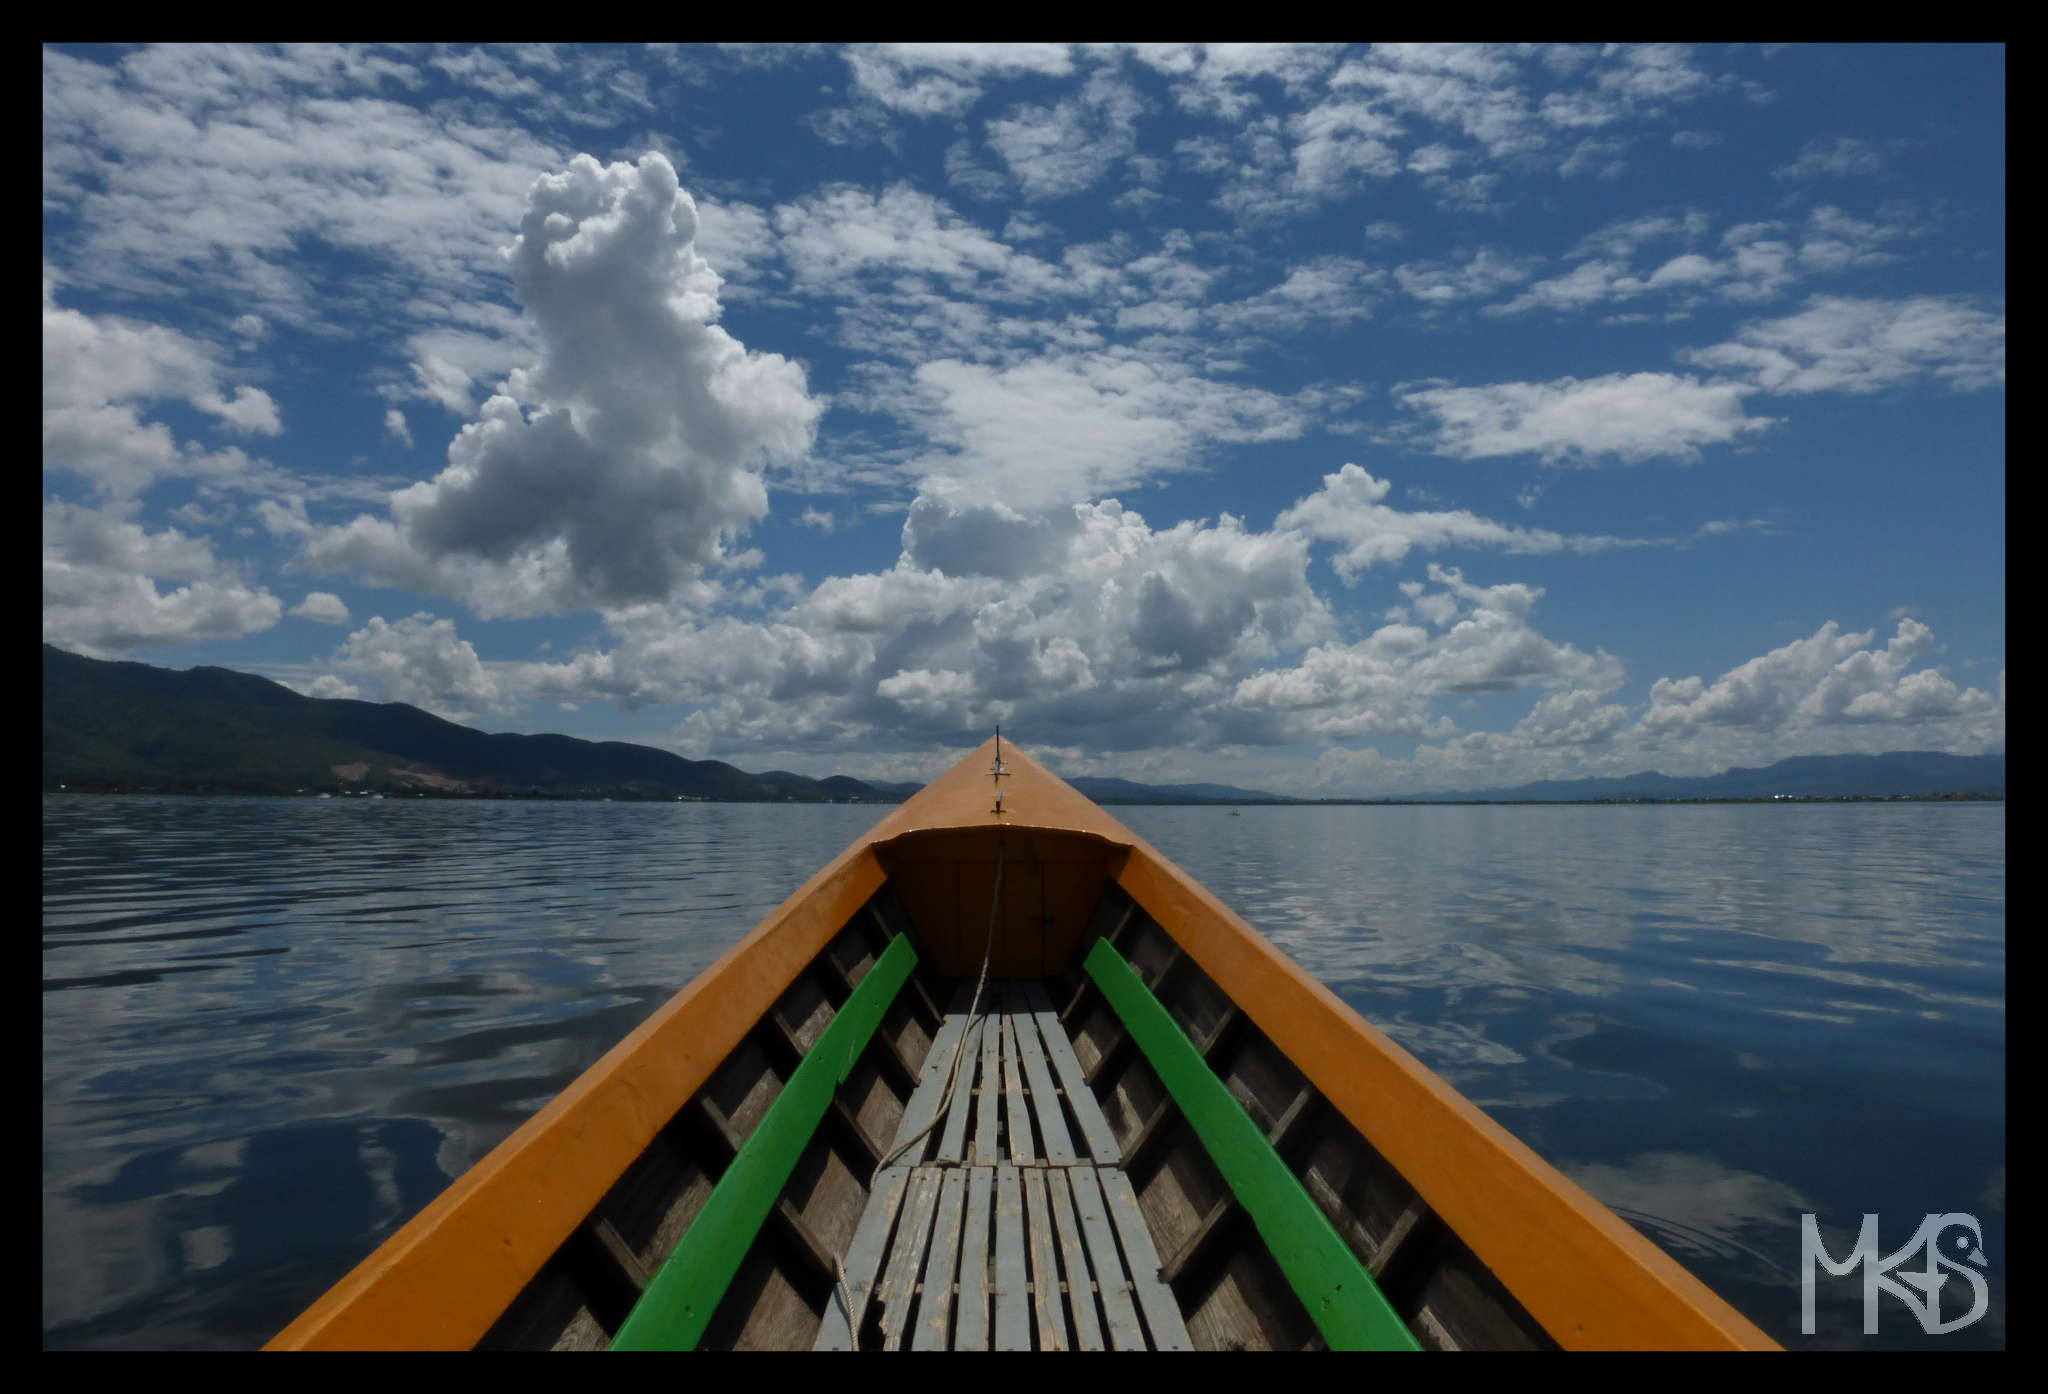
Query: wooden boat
x,y
1002,1077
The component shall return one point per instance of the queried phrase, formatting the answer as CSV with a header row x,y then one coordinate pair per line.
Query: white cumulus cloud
x,y
101,592
631,451
324,606
422,661
103,374
1382,684
1828,678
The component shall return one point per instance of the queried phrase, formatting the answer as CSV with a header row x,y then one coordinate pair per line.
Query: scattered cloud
x,y
1351,510
322,606
103,375
1169,268
1479,641
1484,273
1827,694
421,661
1631,417
213,167
1838,157
1088,425
1753,262
101,592
1839,344
945,79
1059,150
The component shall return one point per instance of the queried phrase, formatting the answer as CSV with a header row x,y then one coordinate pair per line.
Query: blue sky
x,y
1346,420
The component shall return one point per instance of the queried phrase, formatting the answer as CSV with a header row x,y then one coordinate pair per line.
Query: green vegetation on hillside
x,y
130,726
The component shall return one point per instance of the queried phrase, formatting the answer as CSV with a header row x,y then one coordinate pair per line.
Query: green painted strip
x,y
676,1307
1341,1297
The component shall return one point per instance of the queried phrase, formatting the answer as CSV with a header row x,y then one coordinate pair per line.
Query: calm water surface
x,y
275,1029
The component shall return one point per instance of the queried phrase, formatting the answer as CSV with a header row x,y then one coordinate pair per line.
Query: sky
x,y
1335,421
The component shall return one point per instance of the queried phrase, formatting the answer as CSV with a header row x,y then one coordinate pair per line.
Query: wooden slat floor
x,y
1010,1224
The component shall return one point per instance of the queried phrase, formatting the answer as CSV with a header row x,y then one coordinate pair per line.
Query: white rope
x,y
854,1320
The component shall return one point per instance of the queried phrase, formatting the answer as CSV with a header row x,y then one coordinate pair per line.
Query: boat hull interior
x,y
1003,1077
1004,1231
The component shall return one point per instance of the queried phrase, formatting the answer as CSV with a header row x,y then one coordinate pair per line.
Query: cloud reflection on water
x,y
1715,1015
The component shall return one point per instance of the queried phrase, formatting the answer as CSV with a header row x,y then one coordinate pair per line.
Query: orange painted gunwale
x,y
447,1275
450,1272
443,1279
1589,1278
1580,1270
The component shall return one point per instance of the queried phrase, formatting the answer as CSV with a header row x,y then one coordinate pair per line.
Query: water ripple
x,y
273,1029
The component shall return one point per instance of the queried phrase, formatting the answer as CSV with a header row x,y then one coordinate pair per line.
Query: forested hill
x,y
132,726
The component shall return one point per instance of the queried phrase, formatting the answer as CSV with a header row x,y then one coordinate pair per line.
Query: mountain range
x,y
110,725
1899,773
118,725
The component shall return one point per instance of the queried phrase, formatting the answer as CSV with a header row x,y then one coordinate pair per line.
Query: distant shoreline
x,y
132,728
542,796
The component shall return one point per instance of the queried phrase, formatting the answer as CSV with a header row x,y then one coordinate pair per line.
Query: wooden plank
x,y
1281,1134
907,1255
1149,1132
1074,1257
1338,1212
1141,1259
864,1257
1013,1296
1225,1207
1208,1044
953,1138
935,1307
931,1083
622,1253
1074,1002
677,1305
1095,1130
865,1140
970,1323
895,1060
917,989
1213,1223
1107,1264
1111,1058
1166,966
1044,1100
1398,1234
809,1246
987,1125
1045,1277
1015,1109
1334,1287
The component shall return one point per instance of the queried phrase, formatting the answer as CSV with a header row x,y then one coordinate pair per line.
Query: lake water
x,y
274,1029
